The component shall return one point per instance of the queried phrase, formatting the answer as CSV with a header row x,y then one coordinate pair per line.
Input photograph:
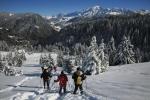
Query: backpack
x,y
62,80
79,80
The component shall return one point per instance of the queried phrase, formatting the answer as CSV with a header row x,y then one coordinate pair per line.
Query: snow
x,y
65,19
21,51
57,28
11,14
49,17
142,11
114,13
126,82
91,11
123,82
17,84
54,57
36,26
10,36
5,28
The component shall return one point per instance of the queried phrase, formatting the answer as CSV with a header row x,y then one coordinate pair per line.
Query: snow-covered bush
x,y
19,57
47,60
44,60
9,63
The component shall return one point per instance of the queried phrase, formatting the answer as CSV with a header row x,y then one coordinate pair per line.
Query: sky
x,y
53,7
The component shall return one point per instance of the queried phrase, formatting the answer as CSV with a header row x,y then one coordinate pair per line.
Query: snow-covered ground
x,y
126,82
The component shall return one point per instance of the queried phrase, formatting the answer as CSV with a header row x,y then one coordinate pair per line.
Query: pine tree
x,y
138,55
1,63
125,54
19,58
50,61
60,59
95,60
111,50
9,57
68,67
39,48
91,60
103,57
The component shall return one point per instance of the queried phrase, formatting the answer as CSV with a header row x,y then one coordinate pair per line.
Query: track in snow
x,y
53,94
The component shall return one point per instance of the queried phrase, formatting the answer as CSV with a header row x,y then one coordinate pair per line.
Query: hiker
x,y
46,77
43,67
78,78
62,79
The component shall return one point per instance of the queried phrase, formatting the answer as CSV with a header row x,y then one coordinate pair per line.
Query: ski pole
x,y
40,84
85,84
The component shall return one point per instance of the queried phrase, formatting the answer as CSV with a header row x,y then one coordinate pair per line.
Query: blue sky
x,y
53,7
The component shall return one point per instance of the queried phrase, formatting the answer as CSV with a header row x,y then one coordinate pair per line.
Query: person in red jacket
x,y
62,79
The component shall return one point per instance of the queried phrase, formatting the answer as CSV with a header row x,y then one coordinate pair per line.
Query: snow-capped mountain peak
x,y
95,8
90,11
64,19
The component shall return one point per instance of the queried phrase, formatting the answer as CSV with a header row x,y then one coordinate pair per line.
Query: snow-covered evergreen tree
x,y
68,67
44,60
94,60
7,66
9,57
60,59
90,60
0,57
111,50
2,65
103,57
51,61
125,54
19,57
138,55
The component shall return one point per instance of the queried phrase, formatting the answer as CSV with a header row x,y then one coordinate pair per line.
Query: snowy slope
x,y
126,82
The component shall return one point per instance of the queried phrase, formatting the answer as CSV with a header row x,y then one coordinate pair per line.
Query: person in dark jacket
x,y
46,77
78,78
62,79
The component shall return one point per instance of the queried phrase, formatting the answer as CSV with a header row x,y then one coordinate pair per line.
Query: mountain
x,y
78,27
62,20
143,12
135,26
24,26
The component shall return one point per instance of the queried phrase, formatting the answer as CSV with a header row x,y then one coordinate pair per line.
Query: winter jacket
x,y
62,79
46,75
76,75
